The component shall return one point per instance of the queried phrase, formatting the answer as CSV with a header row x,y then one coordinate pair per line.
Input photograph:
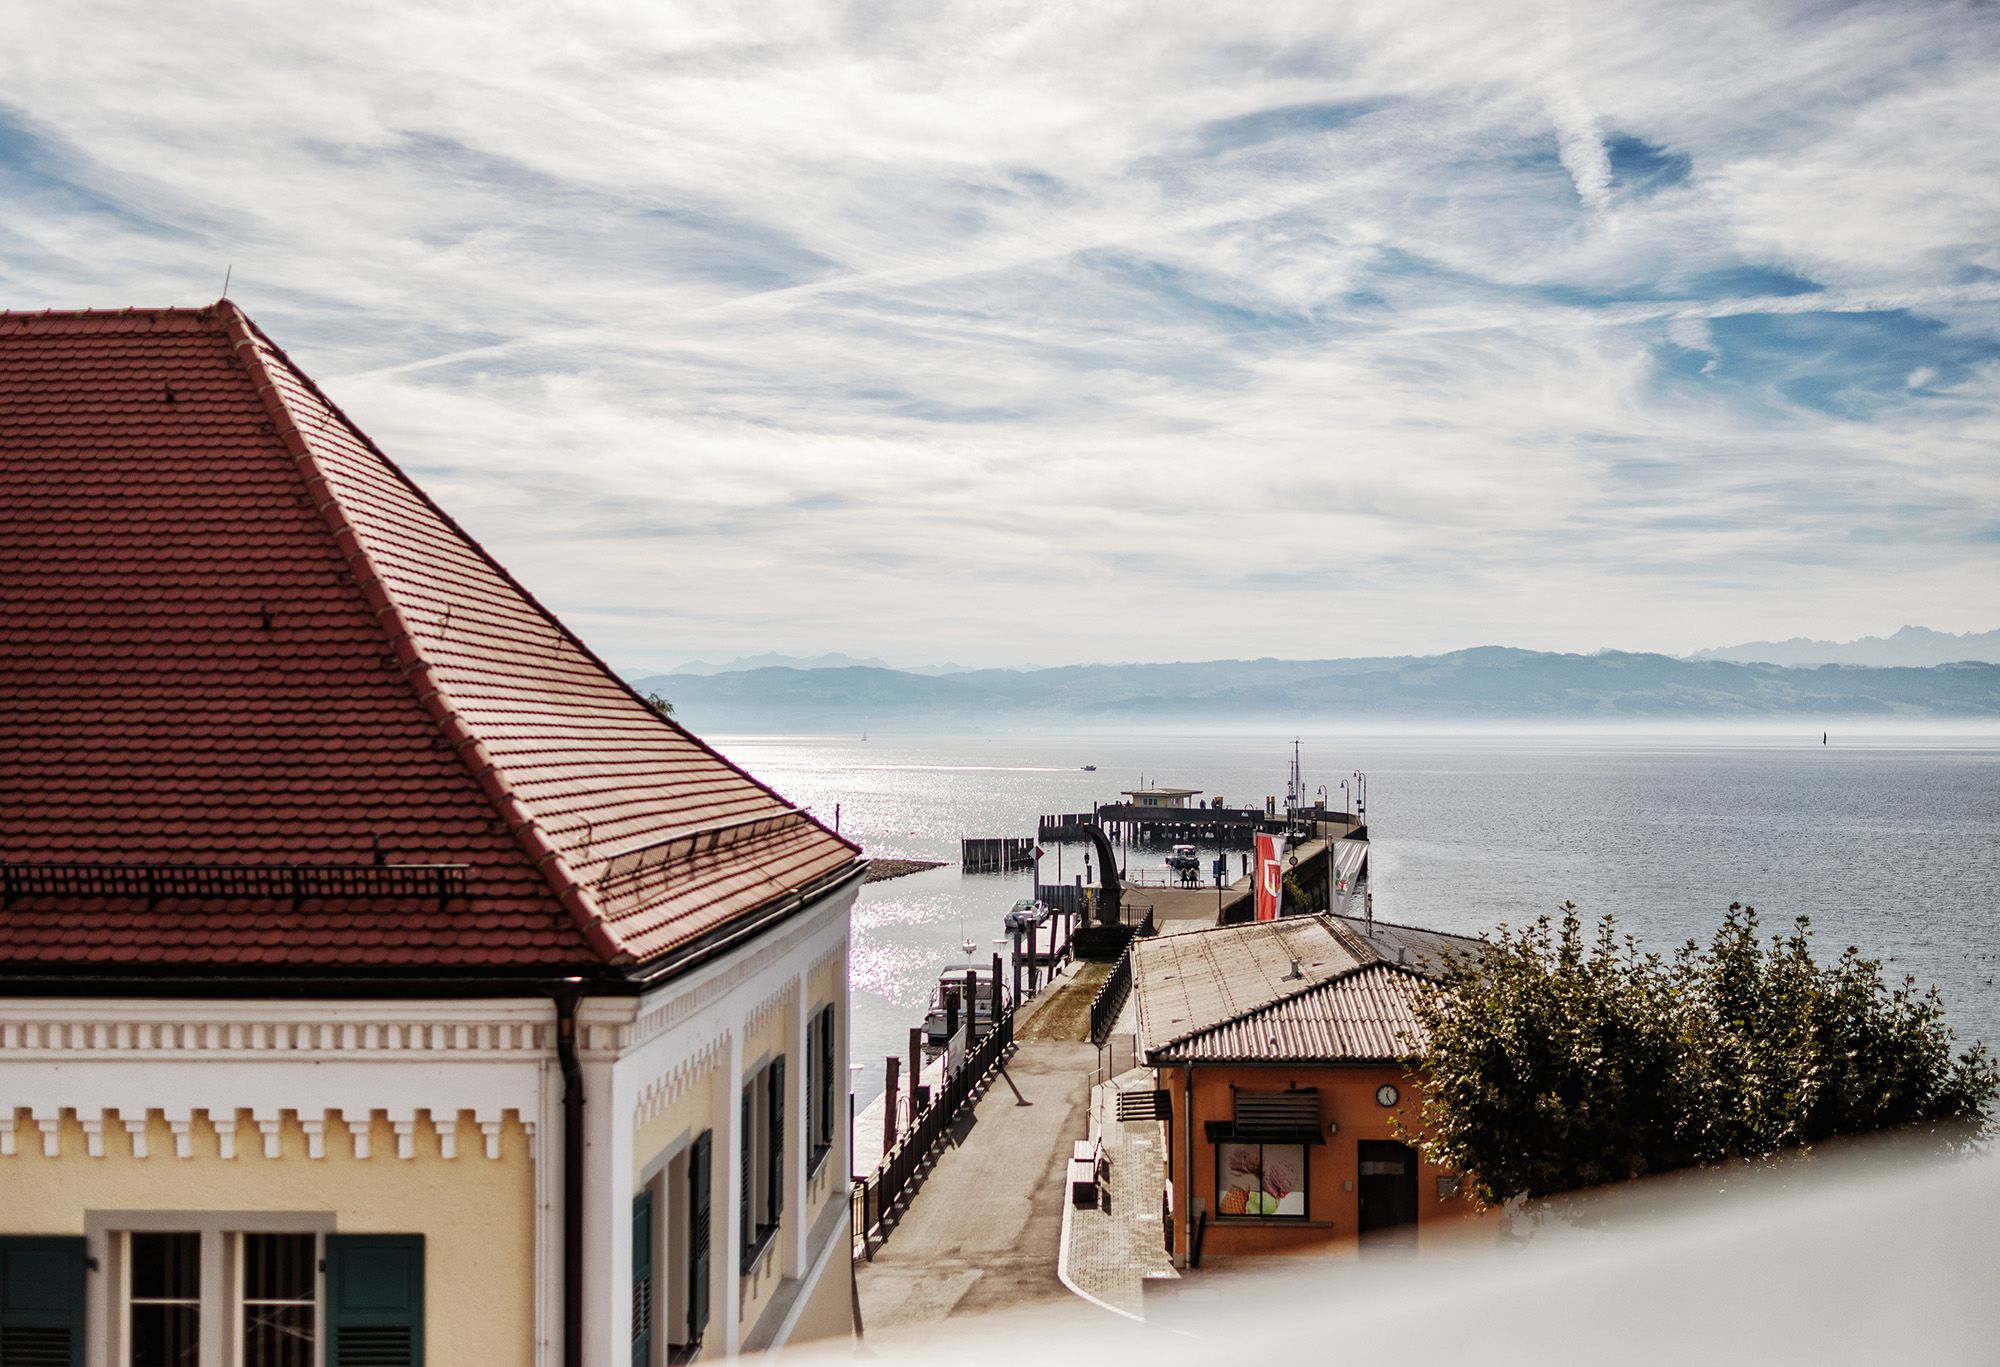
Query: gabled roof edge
x,y
575,898
1162,1051
505,574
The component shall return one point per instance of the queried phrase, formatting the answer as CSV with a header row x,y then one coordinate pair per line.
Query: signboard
x,y
1270,878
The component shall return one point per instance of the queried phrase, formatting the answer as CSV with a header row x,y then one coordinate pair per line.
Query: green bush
x,y
1556,1064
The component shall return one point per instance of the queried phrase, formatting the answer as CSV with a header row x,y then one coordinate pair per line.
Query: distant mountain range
x,y
1910,646
772,660
1490,683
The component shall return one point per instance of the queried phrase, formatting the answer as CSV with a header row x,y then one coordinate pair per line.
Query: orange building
x,y
1277,1052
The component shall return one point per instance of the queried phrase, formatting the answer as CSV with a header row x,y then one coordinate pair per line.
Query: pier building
x,y
1276,1051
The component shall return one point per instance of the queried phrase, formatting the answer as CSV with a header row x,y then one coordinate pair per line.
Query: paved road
x,y
982,1233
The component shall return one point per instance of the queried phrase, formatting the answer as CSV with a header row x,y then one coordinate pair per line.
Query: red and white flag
x,y
1270,878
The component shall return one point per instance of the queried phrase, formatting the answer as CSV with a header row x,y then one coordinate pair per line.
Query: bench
x,y
1085,1159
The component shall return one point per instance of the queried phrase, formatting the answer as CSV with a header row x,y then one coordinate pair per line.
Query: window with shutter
x,y
774,1151
746,1145
699,1164
826,1091
375,1300
41,1301
642,1279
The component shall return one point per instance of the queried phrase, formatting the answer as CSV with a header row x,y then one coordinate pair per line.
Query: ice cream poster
x,y
1260,1179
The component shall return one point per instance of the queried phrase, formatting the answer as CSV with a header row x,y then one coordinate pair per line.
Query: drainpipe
x,y
1187,1167
567,997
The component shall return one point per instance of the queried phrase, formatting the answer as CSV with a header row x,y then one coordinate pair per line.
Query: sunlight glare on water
x,y
1892,845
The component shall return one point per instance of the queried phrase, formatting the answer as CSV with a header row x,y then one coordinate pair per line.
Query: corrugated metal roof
x,y
1367,1016
1427,951
1188,983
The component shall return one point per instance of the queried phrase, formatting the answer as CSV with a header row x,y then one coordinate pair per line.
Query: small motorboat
x,y
1090,768
953,980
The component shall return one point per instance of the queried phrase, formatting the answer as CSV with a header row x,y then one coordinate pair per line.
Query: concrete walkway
x,y
983,1231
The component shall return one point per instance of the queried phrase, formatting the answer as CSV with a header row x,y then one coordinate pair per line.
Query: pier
x,y
1002,855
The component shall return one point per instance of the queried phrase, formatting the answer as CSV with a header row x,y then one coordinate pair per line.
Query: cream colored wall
x,y
829,1313
477,1214
687,1114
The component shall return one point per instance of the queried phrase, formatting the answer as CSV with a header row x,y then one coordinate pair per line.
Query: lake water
x,y
1891,844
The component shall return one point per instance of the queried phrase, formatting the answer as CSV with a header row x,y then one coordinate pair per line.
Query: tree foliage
x,y
1558,1061
661,707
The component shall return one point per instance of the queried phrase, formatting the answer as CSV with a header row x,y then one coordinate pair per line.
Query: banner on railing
x,y
955,1047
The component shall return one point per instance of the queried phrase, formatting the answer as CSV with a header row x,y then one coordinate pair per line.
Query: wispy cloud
x,y
1103,330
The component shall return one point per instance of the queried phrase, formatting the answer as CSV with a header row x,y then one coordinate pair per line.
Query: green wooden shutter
x,y
826,1088
642,1279
41,1301
746,1172
774,1157
700,1163
375,1300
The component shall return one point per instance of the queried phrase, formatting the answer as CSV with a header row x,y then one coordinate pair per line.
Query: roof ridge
x,y
1355,944
244,337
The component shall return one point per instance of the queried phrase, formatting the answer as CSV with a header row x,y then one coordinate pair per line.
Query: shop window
x,y
1260,1180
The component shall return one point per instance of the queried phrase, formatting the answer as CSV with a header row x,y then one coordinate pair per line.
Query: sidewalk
x,y
1110,1252
982,1232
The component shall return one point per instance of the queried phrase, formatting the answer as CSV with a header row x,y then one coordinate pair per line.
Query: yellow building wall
x,y
1347,1098
829,1313
477,1214
687,1114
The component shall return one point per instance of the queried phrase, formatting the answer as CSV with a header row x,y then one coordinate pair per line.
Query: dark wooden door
x,y
1387,1185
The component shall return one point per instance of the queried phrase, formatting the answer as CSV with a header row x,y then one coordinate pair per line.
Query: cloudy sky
x,y
1070,331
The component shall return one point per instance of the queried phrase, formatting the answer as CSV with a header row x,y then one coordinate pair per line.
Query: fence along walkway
x,y
878,1197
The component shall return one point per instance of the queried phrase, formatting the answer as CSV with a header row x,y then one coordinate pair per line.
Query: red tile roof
x,y
236,633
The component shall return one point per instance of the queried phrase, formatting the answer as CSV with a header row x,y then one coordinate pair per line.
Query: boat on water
x,y
1090,768
953,979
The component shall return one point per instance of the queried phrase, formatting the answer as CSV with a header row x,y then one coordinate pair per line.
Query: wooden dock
x,y
1003,855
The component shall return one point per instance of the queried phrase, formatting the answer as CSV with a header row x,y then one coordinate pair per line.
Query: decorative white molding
x,y
50,1121
491,1129
149,1039
315,1136
93,1134
225,1130
136,1128
663,1091
359,1129
271,1123
774,1001
447,1136
828,916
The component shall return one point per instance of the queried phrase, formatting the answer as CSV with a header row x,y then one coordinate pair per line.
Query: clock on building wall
x,y
1387,1095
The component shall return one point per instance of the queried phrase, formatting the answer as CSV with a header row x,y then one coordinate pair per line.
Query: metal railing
x,y
296,882
1110,998
877,1195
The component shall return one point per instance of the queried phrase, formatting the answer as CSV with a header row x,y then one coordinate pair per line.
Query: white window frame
x,y
108,1325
